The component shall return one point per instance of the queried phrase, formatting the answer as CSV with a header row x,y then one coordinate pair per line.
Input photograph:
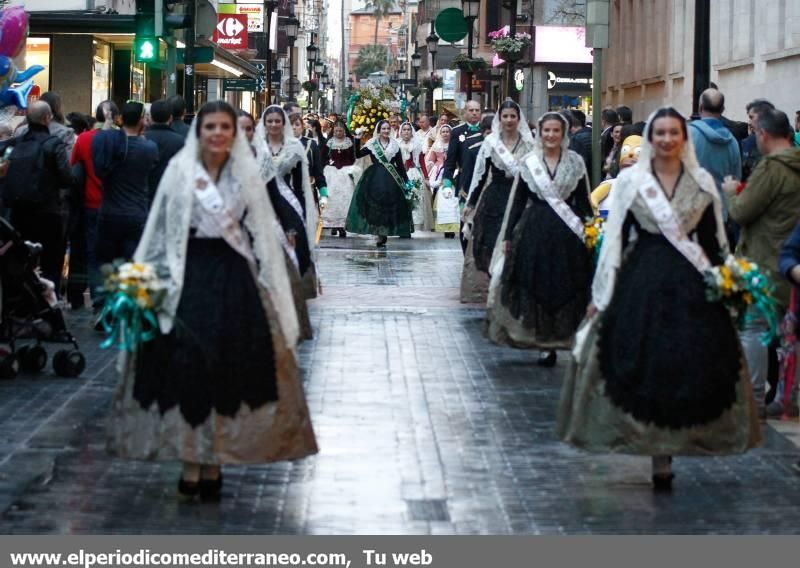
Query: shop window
x,y
138,81
37,52
101,73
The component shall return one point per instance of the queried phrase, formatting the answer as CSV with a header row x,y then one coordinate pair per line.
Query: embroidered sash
x,y
550,194
668,223
287,193
211,201
386,164
510,163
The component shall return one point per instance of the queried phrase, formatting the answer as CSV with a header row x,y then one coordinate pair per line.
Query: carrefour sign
x,y
231,31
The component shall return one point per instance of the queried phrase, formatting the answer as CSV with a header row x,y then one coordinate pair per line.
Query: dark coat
x,y
56,175
581,142
180,127
456,151
169,143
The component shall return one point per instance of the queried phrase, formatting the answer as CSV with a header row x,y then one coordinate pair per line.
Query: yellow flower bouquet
x,y
593,235
367,107
741,286
134,294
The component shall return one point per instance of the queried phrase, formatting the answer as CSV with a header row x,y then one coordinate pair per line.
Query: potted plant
x,y
468,64
510,47
414,91
433,82
310,86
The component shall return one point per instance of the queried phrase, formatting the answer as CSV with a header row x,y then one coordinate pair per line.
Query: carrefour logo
x,y
230,27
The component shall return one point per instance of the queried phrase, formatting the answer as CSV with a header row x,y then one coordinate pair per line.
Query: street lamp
x,y
432,42
416,62
312,52
319,67
292,27
471,9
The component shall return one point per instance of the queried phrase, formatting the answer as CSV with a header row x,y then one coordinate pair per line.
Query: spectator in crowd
x,y
716,148
83,237
166,140
79,122
625,114
33,188
126,193
580,139
179,125
750,152
608,119
767,210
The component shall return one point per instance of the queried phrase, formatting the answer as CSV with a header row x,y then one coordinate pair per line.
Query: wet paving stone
x,y
424,428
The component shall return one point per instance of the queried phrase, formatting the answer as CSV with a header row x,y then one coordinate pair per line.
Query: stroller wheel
x,y
33,359
69,363
9,365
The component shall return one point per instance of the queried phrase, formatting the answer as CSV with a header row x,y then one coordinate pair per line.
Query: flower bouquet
x,y
413,191
134,294
593,235
740,285
368,106
509,47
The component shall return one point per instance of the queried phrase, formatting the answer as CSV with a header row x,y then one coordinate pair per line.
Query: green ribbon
x,y
351,105
127,322
386,164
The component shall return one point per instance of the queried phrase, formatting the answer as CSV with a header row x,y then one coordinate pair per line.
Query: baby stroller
x,y
29,312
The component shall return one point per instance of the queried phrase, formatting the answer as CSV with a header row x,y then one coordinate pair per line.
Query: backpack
x,y
22,185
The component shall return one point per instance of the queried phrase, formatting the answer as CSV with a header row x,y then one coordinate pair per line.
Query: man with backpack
x,y
38,168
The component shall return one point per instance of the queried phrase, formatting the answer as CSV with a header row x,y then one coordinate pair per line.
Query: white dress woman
x,y
342,175
221,384
414,162
445,206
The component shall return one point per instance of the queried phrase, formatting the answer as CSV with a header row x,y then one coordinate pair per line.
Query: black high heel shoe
x,y
662,482
211,489
547,359
188,490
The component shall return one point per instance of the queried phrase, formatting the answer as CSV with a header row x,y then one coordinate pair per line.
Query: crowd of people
x,y
230,210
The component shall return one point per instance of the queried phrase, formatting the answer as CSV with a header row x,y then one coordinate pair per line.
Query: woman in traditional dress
x,y
540,296
319,185
658,368
417,171
247,124
280,151
339,157
379,205
445,206
496,168
221,385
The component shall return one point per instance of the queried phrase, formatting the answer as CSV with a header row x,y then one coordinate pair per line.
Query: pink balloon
x,y
13,31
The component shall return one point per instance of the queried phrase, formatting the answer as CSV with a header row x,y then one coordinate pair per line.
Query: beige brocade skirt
x,y
273,432
589,420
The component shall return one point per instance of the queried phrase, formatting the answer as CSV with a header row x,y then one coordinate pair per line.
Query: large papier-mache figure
x,y
15,83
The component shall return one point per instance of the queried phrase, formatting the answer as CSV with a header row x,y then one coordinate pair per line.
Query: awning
x,y
226,57
80,21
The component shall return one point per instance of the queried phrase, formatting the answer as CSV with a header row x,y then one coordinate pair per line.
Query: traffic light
x,y
146,50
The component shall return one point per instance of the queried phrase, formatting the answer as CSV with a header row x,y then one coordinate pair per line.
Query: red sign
x,y
231,31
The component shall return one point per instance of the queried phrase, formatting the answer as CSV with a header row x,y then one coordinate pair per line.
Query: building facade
x,y
754,52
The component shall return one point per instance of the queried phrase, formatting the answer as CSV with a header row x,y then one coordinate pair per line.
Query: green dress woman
x,y
379,206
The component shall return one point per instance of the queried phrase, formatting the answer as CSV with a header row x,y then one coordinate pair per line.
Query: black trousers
x,y
46,229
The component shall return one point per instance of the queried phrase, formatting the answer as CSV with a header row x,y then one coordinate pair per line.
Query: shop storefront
x,y
569,86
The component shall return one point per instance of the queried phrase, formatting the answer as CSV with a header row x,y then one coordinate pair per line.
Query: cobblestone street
x,y
424,427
